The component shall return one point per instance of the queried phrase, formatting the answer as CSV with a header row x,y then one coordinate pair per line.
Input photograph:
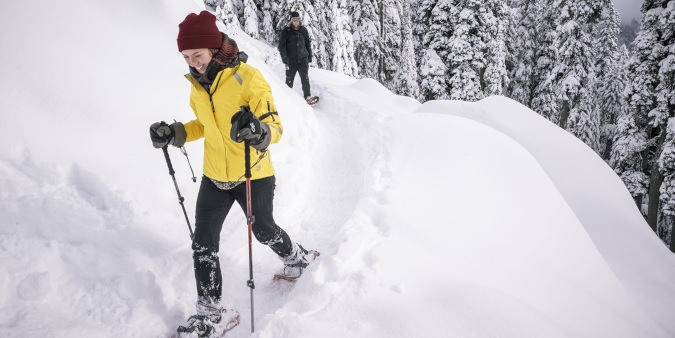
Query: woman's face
x,y
198,58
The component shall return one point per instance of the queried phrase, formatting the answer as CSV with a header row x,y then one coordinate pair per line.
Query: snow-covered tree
x,y
251,25
575,65
629,141
469,36
366,26
666,163
611,100
342,52
267,30
390,41
526,17
433,85
611,69
584,118
226,13
433,30
646,87
315,17
544,95
211,5
466,56
664,113
405,80
496,20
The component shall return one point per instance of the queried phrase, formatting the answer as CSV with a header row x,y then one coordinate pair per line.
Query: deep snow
x,y
448,219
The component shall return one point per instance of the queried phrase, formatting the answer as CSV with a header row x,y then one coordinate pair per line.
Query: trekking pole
x,y
180,198
249,219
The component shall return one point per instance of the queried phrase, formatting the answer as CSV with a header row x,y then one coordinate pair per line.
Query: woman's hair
x,y
213,51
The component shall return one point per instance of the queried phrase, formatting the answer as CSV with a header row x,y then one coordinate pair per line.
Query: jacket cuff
x,y
179,134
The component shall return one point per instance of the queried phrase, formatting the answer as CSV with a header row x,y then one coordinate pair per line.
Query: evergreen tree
x,y
433,85
238,7
642,95
267,24
611,100
466,56
342,52
226,13
367,53
611,68
433,31
666,164
526,16
469,36
317,16
251,25
495,21
665,114
544,96
629,141
405,81
212,5
390,41
576,56
584,118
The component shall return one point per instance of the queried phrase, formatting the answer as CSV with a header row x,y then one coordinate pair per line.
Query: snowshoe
x,y
295,263
213,326
312,100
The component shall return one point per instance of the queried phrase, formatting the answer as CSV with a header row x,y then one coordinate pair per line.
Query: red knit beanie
x,y
199,31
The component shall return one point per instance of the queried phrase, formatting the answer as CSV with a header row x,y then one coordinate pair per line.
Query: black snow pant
x,y
303,69
213,204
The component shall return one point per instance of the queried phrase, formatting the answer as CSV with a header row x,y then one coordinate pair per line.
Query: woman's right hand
x,y
162,134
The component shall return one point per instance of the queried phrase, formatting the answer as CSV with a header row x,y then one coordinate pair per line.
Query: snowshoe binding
x,y
295,263
312,100
209,324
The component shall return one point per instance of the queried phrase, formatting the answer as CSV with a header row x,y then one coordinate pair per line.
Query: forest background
x,y
573,62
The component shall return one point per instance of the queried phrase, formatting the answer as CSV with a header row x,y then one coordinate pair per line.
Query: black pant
x,y
303,68
213,204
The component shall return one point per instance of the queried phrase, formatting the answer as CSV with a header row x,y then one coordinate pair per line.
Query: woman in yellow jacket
x,y
221,85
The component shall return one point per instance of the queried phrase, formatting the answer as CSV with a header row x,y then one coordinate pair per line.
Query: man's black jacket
x,y
295,46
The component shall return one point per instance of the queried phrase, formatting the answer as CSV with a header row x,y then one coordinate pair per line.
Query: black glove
x,y
162,134
245,126
284,60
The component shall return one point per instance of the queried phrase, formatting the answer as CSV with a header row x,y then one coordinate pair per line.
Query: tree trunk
x,y
655,183
564,114
653,207
638,202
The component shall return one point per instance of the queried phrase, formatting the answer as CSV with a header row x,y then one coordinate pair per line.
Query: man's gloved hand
x,y
284,60
245,126
162,134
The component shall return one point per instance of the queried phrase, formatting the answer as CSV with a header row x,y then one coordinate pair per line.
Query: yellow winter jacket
x,y
231,88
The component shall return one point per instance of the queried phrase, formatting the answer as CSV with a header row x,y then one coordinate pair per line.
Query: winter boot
x,y
295,263
212,320
312,100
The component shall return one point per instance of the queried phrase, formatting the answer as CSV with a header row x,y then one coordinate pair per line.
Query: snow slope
x,y
443,219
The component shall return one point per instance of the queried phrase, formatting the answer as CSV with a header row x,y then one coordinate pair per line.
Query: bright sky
x,y
629,9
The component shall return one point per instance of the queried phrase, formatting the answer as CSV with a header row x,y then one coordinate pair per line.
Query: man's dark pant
x,y
303,68
213,204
